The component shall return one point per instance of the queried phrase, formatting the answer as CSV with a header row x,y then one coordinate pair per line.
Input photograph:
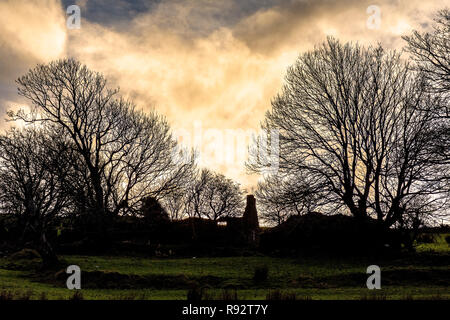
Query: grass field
x,y
424,275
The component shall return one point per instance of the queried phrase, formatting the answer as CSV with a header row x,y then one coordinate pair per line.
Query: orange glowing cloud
x,y
178,59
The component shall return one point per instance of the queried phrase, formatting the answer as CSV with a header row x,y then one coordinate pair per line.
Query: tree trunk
x,y
47,252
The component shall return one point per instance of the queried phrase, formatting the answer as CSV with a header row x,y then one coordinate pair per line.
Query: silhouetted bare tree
x,y
431,52
34,174
127,154
359,122
212,196
280,197
271,208
174,204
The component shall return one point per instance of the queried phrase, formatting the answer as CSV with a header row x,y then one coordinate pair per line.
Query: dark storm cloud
x,y
111,13
202,17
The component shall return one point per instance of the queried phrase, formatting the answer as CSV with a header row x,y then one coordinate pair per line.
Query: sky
x,y
211,67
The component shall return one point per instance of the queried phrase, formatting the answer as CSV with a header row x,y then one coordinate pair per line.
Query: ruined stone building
x,y
247,225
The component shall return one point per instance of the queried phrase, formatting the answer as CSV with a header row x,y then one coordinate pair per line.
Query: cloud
x,y
217,62
30,32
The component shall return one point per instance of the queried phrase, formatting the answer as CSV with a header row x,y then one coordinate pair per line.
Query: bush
x,y
25,254
43,296
279,295
374,296
198,293
194,294
228,294
261,274
6,295
425,238
447,238
10,295
337,234
78,295
25,296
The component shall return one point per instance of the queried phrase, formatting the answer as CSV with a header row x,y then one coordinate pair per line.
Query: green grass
x,y
439,244
424,275
17,282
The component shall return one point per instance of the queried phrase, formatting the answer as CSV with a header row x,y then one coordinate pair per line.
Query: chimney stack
x,y
250,214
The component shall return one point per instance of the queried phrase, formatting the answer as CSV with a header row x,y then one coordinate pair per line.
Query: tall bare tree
x,y
360,122
431,52
127,154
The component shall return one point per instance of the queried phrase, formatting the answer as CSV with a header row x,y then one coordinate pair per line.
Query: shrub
x,y
332,234
25,295
43,296
374,296
261,274
425,238
152,212
447,238
228,294
78,295
280,295
197,293
437,296
10,295
6,295
408,297
26,254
